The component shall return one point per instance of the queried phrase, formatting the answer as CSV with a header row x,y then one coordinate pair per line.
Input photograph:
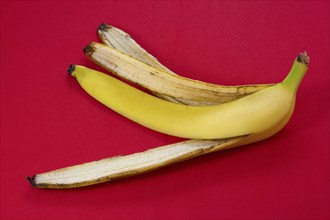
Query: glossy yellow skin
x,y
261,114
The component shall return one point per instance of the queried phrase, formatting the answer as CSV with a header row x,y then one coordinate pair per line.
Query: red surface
x,y
49,122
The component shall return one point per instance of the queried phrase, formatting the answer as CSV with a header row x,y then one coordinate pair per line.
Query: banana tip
x,y
303,58
104,27
88,50
32,180
71,69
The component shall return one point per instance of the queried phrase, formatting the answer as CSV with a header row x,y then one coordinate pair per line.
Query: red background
x,y
49,122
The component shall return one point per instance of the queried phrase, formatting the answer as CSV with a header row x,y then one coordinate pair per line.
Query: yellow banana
x,y
123,166
258,114
128,60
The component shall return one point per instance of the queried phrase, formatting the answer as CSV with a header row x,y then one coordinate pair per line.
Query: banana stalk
x,y
174,89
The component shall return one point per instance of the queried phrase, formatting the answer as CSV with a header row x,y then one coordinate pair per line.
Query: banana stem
x,y
297,72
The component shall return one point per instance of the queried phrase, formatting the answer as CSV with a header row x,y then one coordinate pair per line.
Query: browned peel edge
x,y
104,27
32,180
89,50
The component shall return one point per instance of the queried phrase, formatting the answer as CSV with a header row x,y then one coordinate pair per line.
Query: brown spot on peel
x,y
88,50
104,27
32,180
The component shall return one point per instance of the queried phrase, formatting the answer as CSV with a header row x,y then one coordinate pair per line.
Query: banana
x,y
259,115
280,106
118,167
174,88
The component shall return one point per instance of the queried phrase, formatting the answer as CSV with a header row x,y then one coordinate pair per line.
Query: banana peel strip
x,y
118,167
123,42
184,90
